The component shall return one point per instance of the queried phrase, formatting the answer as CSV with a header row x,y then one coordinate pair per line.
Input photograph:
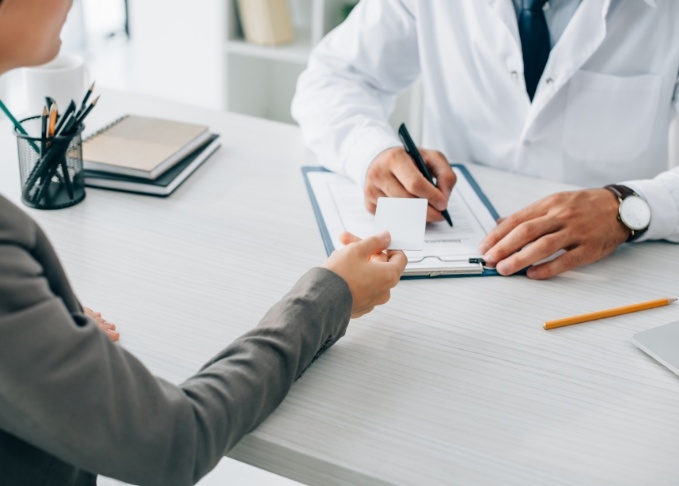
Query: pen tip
x,y
671,300
447,217
92,86
96,99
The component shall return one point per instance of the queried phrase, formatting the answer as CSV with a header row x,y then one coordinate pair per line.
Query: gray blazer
x,y
72,403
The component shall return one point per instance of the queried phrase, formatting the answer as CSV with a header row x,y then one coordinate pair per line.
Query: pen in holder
x,y
51,168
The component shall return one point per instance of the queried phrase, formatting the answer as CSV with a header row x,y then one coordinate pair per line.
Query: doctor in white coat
x,y
576,91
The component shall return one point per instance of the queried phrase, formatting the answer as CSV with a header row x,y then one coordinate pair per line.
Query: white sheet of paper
x,y
404,218
446,249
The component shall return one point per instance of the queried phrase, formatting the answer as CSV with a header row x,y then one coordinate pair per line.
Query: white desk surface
x,y
454,381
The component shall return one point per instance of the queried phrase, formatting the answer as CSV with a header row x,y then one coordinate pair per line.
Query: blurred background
x,y
196,52
173,50
199,53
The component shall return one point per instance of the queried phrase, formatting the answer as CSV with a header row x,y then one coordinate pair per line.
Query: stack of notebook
x,y
146,155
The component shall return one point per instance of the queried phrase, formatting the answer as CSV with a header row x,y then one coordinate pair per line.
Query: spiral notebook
x,y
140,146
163,185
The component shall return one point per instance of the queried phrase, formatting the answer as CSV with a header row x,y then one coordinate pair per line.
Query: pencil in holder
x,y
51,169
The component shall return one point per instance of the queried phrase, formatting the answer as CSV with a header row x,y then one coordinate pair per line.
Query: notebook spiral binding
x,y
106,127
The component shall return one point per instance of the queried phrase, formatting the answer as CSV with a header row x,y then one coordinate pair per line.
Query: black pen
x,y
411,148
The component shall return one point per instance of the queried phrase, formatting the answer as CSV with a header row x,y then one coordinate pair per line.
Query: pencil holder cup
x,y
51,169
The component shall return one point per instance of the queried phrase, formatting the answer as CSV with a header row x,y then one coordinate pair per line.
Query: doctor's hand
x,y
368,268
583,224
394,174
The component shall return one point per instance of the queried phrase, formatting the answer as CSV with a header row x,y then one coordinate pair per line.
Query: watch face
x,y
635,213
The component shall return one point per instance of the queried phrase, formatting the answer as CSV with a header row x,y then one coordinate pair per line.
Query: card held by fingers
x,y
405,219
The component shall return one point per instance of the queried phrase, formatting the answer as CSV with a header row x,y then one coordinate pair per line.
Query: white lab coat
x,y
600,114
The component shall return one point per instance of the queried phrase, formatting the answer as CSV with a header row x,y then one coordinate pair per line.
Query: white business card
x,y
405,219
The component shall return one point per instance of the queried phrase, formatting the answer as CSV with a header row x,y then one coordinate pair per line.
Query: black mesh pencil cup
x,y
51,168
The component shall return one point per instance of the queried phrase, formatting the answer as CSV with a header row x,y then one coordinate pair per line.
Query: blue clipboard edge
x,y
327,240
325,234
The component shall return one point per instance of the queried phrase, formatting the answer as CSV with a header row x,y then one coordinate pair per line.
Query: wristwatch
x,y
634,212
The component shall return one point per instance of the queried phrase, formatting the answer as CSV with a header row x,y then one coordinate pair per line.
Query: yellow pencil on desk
x,y
626,309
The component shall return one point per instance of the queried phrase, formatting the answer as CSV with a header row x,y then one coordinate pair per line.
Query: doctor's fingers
x,y
372,193
440,169
590,248
573,258
507,223
392,187
393,173
558,252
546,248
417,185
526,233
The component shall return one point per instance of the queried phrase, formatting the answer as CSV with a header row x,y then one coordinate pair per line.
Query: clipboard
x,y
449,252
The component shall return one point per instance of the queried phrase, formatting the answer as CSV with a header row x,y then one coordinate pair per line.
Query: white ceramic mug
x,y
62,79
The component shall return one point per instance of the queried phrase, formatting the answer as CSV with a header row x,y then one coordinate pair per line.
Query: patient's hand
x,y
107,327
369,270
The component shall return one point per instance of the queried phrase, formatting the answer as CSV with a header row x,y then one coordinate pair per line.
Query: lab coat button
x,y
514,74
549,81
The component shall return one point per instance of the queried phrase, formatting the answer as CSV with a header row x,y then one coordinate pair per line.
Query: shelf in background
x,y
296,51
261,80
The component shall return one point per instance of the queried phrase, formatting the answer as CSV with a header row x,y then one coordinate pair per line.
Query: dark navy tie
x,y
535,42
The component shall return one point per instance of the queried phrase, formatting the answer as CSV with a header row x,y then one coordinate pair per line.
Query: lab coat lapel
x,y
505,13
504,9
582,37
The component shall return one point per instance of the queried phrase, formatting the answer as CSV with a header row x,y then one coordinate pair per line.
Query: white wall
x,y
178,47
174,51
674,142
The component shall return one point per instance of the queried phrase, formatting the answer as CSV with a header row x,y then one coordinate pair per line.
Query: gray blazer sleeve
x,y
66,389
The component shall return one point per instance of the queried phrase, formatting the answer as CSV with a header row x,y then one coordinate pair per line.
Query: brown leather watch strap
x,y
621,191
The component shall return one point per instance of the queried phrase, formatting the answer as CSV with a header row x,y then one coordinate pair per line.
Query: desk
x,y
454,381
